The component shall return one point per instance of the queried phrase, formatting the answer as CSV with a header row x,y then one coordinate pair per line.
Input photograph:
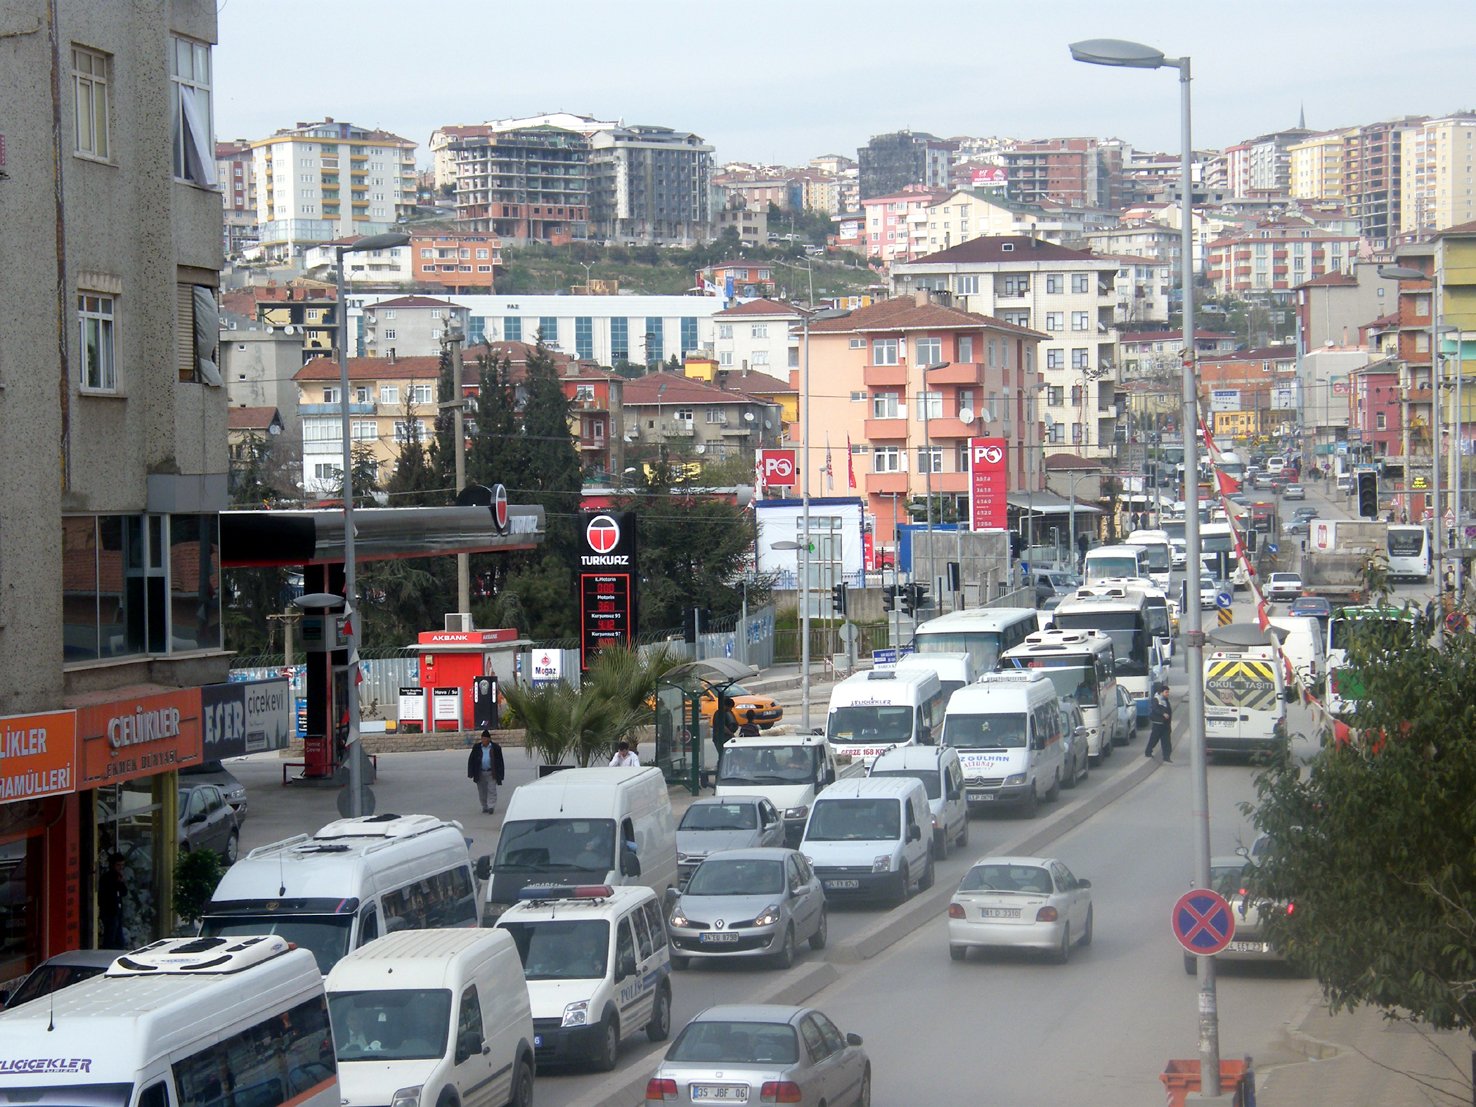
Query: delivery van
x,y
597,826
1009,733
349,883
442,1011
873,711
941,774
871,838
1305,647
1244,697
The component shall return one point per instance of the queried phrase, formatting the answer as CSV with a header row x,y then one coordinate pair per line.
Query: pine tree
x,y
413,482
443,446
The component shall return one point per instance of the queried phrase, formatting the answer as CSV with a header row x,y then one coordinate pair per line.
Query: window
x,y
725,330
1055,321
584,337
197,334
194,146
966,286
435,313
361,394
961,456
422,394
884,351
655,339
1016,286
965,348
330,394
657,924
406,429
884,406
1080,321
481,253
760,330
1076,434
689,334
389,393
930,459
886,459
1016,318
90,93
389,313
390,333
1055,284
548,330
929,351
1055,395
252,1062
95,316
1080,282
725,359
930,405
512,328
468,1022
364,430
1055,359
1380,421
619,339
857,343
683,415
1079,358
1078,393
716,415
1056,432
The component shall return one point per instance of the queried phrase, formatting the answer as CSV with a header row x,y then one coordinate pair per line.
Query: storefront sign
x,y
38,755
468,638
245,717
139,737
988,484
607,582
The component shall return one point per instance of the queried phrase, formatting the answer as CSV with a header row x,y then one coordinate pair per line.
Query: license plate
x,y
980,797
718,936
999,912
1249,947
841,885
537,1040
720,1093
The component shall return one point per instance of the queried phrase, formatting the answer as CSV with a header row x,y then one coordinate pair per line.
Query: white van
x,y
344,886
598,966
584,826
1160,554
941,773
953,670
433,1017
873,711
1080,664
1244,697
166,1024
1115,561
1304,646
870,838
1008,731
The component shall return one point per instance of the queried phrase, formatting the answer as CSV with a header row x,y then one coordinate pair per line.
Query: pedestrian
x,y
1081,551
484,765
625,757
112,891
750,727
1160,723
1449,579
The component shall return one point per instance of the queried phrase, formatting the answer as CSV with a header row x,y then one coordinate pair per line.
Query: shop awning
x,y
1047,503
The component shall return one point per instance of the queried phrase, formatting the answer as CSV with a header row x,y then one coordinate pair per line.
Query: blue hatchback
x,y
1315,607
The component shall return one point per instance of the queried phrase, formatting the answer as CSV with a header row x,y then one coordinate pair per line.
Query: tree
x,y
413,481
252,595
1372,843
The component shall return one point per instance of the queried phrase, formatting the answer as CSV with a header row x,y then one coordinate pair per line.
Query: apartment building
x,y
907,382
409,326
1262,165
1276,255
1075,172
1375,408
431,262
677,415
650,186
258,362
1373,177
1145,287
1317,167
750,224
299,307
237,178
1160,353
1250,391
896,223
316,182
1439,175
894,162
759,335
522,182
1068,296
967,214
116,467
1336,306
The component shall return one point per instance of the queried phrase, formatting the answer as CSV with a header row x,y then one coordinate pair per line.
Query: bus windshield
x,y
1158,558
871,724
983,644
1073,676
1125,628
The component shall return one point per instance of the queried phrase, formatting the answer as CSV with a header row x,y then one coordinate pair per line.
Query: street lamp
x,y
1135,55
390,241
926,402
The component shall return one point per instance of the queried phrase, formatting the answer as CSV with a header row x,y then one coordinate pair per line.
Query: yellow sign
x,y
1226,616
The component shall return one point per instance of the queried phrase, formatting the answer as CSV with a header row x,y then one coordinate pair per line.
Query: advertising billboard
x,y
988,484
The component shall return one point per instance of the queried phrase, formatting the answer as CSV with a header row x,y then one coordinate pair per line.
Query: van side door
x,y
637,988
471,1060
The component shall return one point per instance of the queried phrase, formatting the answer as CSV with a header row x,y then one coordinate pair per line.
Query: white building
x,y
966,214
757,336
1143,286
410,326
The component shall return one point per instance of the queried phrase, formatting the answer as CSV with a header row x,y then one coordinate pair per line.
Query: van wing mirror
x,y
630,864
483,868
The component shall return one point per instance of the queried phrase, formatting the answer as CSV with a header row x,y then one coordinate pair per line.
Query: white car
x,y
1022,902
1207,592
1284,587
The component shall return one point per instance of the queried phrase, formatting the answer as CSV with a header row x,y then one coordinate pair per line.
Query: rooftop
x,y
672,388
1003,249
905,313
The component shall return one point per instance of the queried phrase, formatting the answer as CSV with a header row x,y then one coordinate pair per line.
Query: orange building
x,y
463,263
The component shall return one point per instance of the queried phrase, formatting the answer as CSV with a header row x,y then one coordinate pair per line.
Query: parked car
x,y
1075,765
715,823
763,1052
749,903
61,971
1230,876
214,772
1294,492
207,822
1034,903
1284,587
1127,715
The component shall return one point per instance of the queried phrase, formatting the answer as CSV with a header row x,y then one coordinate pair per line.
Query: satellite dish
x,y
748,417
986,416
965,416
702,447
1049,421
289,329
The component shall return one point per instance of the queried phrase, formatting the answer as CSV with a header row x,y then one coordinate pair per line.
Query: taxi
x,y
766,709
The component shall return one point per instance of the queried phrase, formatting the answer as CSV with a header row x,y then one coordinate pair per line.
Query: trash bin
x,y
1182,1077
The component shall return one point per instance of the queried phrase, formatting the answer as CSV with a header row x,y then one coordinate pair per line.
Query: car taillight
x,y
1290,907
1046,915
659,1090
779,1091
955,911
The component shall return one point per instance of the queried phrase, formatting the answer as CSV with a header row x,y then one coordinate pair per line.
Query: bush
x,y
196,875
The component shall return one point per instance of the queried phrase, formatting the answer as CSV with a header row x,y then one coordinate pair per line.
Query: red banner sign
x,y
988,484
777,469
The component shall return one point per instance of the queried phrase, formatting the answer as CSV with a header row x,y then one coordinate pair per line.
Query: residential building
x,y
1326,386
749,222
1076,172
319,181
1413,317
1439,175
760,335
742,279
1262,165
908,425
1375,420
759,188
1068,296
409,326
1317,167
967,214
116,467
650,186
308,308
893,162
782,394
258,361
1333,307
431,262
1373,177
1160,353
249,429
889,222
442,144
522,182
1144,238
820,191
1276,255
670,414
1144,288
1251,391
237,177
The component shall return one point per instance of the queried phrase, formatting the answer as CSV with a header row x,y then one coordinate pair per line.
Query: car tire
x,y
1062,953
232,848
1031,806
659,1028
1054,792
448,1099
963,835
926,880
1086,933
522,1095
609,1054
863,1097
784,959
904,888
822,932
958,953
940,844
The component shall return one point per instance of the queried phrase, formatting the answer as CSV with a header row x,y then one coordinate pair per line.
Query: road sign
x,y
1203,922
1223,600
887,656
1226,616
777,468
1272,548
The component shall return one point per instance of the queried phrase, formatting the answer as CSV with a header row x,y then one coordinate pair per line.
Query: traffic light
x,y
695,621
889,597
1368,494
914,597
838,598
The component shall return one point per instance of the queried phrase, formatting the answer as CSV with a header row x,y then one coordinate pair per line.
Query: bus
x,y
1344,686
1122,614
983,632
1115,561
1080,665
1160,623
1216,539
1160,553
1409,552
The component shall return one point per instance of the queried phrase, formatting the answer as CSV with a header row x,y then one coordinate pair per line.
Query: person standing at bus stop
x,y
485,766
1160,723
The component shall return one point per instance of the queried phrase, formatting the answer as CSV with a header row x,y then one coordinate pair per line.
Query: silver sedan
x,y
746,903
716,823
1022,902
759,1052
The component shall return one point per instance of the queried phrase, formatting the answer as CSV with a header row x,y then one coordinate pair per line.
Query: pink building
x,y
1375,410
888,220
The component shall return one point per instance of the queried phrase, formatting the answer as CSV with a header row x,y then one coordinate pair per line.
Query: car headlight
x,y
677,918
575,1014
1015,778
881,862
407,1097
796,812
768,916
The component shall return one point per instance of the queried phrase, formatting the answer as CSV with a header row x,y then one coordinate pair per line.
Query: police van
x,y
1008,730
184,1022
598,968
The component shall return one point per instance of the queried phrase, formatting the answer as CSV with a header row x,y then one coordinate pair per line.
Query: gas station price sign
x,y
607,582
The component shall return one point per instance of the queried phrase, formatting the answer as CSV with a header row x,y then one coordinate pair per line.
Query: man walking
x,y
484,765
1160,723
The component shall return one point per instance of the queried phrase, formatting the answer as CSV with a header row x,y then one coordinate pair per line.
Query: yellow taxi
x,y
766,712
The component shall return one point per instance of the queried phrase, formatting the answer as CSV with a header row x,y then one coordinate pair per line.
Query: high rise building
x,y
1373,177
650,186
1077,172
890,163
1438,175
233,169
1317,167
524,182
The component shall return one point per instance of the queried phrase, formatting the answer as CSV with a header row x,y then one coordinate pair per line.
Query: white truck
x,y
1244,694
787,769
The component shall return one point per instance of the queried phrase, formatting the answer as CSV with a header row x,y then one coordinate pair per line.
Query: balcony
x,y
947,482
882,376
678,430
355,408
883,429
939,429
958,373
594,445
589,403
885,484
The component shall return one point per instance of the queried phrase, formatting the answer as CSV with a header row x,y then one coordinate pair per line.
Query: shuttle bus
x,y
984,632
1080,665
1409,552
1122,614
1160,554
1394,627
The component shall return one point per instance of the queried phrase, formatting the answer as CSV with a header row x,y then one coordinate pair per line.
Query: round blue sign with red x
x,y
1203,922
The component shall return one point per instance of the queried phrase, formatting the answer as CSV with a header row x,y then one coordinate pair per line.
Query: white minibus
x,y
984,632
1008,730
873,711
1409,552
1122,614
1115,561
953,670
1160,553
1080,665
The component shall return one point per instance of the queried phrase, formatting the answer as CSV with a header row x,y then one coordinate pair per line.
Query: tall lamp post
x,y
925,398
1134,55
389,241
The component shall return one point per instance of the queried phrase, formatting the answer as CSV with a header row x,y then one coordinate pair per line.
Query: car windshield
x,y
871,724
326,936
930,779
402,1024
744,764
48,978
1075,677
67,1095
544,845
735,1043
737,876
1228,879
719,816
1007,878
991,731
854,820
561,949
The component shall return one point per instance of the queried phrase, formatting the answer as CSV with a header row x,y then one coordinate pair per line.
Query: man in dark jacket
x,y
1160,723
484,765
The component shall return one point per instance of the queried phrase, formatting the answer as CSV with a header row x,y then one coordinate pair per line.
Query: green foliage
x,y
196,875
1373,843
400,597
413,482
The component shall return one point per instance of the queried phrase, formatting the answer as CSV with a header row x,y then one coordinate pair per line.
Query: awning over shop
x,y
1047,503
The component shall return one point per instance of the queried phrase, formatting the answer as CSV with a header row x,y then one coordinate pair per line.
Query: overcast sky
x,y
781,82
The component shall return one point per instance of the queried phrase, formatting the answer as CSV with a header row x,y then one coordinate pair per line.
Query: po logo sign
x,y
988,455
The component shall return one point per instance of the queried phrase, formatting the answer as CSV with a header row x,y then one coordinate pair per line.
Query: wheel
x,y
1086,934
1062,953
1032,803
863,1098
1054,793
1078,770
679,963
905,888
822,932
232,849
523,1085
609,1053
926,881
1086,768
940,843
659,1028
448,1099
785,957
963,835
958,953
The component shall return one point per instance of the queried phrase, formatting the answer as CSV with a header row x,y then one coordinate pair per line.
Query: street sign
x,y
1272,548
849,632
887,656
1223,600
1226,616
1203,922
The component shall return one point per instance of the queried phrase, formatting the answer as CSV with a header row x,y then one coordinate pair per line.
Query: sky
x,y
782,82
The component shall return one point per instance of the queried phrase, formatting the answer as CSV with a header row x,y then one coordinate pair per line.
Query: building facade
x,y
409,326
1439,176
234,170
1076,172
1277,255
650,186
892,162
523,183
759,335
671,415
1317,167
1373,177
